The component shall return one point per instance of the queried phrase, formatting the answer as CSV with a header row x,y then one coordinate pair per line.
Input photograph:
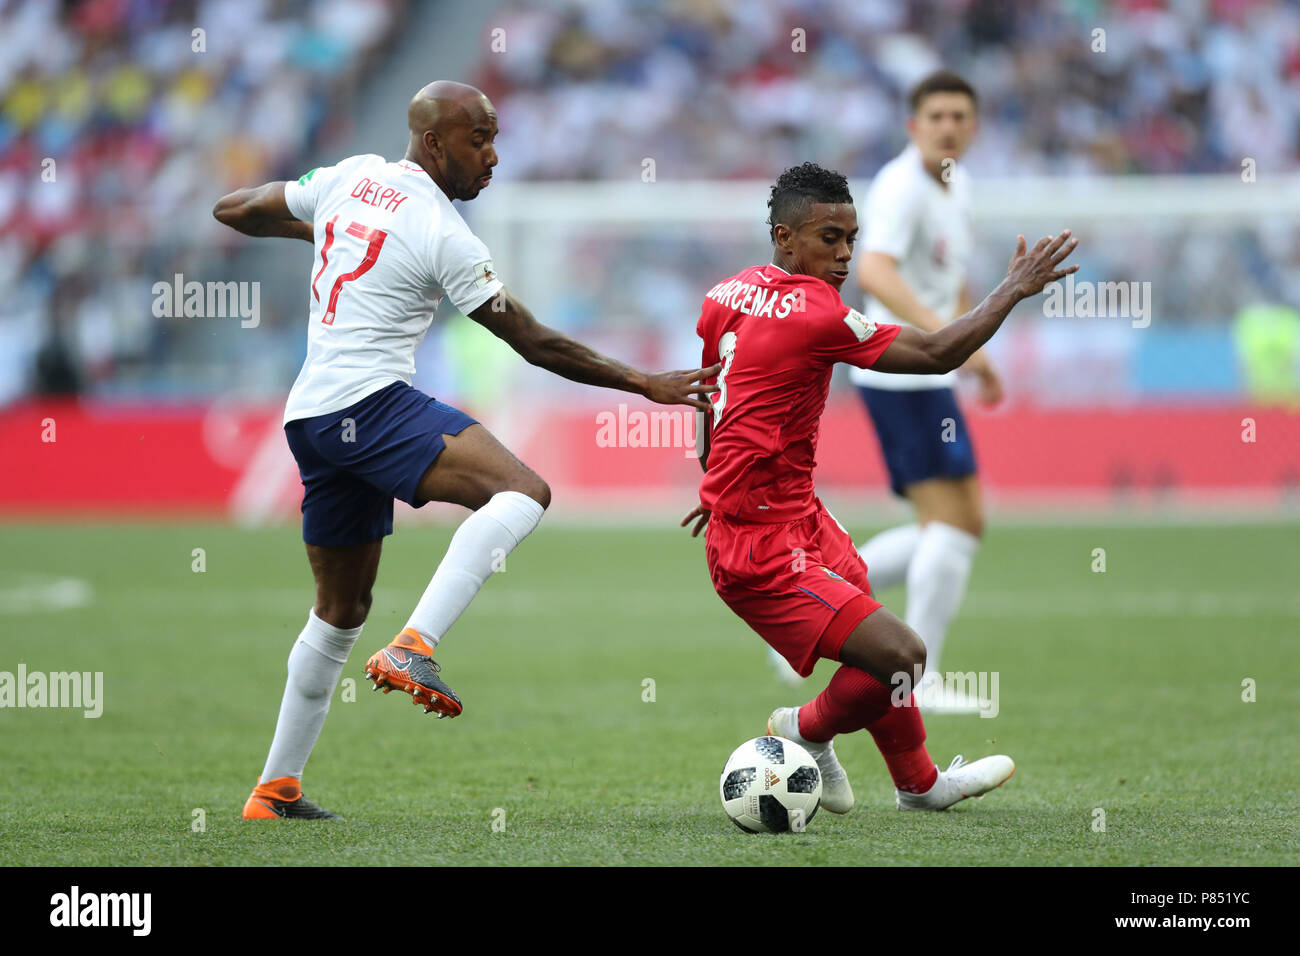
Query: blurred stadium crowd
x,y
146,130
1186,87
147,124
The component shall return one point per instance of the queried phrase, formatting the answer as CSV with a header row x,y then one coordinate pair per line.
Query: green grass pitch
x,y
1119,692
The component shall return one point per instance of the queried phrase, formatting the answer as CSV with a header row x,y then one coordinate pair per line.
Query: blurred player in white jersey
x,y
915,252
388,244
915,249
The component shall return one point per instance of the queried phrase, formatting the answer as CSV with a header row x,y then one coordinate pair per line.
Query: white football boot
x,y
959,781
933,697
784,672
837,795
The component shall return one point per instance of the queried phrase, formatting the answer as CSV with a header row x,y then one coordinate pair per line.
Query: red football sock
x,y
851,701
854,700
900,735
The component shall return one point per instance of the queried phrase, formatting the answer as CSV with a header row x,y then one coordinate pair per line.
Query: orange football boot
x,y
407,664
282,798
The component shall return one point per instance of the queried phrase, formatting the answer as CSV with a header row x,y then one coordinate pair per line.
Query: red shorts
x,y
801,584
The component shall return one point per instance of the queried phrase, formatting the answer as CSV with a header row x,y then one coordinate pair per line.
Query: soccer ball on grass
x,y
771,785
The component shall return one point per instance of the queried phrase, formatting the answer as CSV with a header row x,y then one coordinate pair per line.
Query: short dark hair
x,y
944,81
802,186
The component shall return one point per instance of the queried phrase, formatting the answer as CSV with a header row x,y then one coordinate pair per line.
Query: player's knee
x,y
543,494
971,514
910,654
534,487
344,614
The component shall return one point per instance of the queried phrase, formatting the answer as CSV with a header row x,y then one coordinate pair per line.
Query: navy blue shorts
x,y
355,461
912,425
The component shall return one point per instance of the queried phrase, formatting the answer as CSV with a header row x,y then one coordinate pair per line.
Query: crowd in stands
x,y
738,88
121,120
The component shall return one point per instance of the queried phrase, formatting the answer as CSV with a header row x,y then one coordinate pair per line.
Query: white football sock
x,y
315,663
888,555
936,583
478,548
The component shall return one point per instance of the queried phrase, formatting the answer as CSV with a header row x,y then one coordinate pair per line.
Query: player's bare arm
x,y
703,435
878,275
261,211
703,427
509,320
936,352
979,364
453,129
698,512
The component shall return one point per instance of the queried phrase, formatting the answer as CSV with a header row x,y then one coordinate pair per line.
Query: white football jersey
x,y
927,230
389,244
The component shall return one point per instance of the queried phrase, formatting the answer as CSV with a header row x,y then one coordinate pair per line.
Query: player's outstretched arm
x,y
261,211
944,350
509,320
879,277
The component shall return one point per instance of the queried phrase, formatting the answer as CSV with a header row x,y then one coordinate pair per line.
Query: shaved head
x,y
446,102
452,128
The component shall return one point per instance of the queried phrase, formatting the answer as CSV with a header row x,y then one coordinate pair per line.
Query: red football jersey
x,y
778,336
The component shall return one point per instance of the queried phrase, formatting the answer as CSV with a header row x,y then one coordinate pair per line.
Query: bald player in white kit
x,y
388,245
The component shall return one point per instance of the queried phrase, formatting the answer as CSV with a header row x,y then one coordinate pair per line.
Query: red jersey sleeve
x,y
710,354
837,333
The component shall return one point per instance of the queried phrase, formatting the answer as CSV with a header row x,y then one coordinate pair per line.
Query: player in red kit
x,y
775,554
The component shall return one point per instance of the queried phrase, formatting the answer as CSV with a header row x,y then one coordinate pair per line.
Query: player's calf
x,y
345,576
344,614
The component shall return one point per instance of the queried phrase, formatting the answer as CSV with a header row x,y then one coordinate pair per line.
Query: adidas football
x,y
771,785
